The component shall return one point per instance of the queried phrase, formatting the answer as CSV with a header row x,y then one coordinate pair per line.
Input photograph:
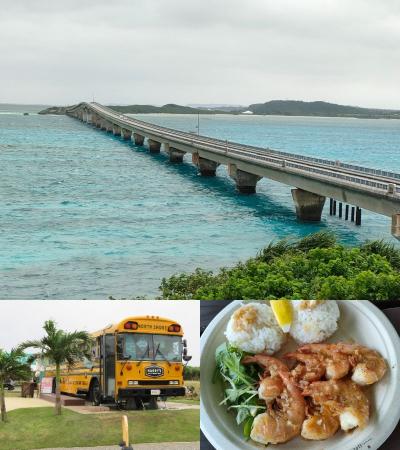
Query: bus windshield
x,y
149,347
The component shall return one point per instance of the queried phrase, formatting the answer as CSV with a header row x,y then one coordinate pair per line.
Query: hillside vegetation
x,y
166,109
273,107
315,267
322,109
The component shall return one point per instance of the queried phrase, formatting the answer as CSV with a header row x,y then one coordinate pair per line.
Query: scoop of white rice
x,y
254,329
314,321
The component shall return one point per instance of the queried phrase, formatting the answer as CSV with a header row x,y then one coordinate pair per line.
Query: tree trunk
x,y
3,402
58,393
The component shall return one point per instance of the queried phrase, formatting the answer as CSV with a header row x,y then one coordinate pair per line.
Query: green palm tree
x,y
12,367
60,347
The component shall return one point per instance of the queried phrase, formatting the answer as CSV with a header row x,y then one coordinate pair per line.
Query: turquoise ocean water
x,y
87,215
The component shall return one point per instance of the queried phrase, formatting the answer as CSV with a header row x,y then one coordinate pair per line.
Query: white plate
x,y
360,321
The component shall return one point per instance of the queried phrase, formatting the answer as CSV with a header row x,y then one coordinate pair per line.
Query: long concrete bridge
x,y
312,179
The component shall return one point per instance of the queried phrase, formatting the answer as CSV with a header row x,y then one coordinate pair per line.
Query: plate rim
x,y
206,424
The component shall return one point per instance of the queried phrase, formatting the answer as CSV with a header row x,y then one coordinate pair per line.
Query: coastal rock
x,y
59,110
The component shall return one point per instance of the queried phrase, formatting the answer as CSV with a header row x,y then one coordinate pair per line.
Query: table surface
x,y
209,309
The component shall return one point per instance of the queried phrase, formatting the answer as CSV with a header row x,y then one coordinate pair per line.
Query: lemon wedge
x,y
283,313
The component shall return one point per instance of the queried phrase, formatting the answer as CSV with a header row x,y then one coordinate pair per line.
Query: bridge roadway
x,y
313,179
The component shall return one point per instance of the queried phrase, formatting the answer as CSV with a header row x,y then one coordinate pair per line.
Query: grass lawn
x,y
40,428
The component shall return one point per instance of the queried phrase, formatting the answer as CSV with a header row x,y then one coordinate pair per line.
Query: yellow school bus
x,y
133,363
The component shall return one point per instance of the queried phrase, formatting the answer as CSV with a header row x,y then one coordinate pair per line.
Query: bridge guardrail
x,y
351,179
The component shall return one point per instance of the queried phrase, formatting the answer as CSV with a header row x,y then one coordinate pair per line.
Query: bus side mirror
x,y
185,356
184,342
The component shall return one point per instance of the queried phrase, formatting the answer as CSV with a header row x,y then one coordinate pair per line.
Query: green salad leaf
x,y
240,385
247,427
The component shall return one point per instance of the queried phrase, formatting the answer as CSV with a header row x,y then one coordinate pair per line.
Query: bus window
x,y
96,349
167,348
134,347
148,347
88,363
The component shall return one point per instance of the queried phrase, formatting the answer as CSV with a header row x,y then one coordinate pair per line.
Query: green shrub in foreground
x,y
316,267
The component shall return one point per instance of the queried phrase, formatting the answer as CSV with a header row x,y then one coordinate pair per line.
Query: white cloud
x,y
210,51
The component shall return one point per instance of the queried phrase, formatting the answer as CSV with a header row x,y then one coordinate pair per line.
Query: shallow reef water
x,y
85,214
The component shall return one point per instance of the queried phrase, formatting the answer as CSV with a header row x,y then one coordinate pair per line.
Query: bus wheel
x,y
94,393
132,404
153,403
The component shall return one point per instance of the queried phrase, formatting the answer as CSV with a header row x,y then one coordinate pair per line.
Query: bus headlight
x,y
174,382
131,382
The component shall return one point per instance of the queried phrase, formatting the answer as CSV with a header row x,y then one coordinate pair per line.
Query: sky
x,y
23,320
200,51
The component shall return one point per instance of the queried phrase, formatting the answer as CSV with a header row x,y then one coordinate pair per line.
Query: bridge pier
x,y
126,134
207,167
116,130
245,182
308,205
138,138
396,226
106,126
154,146
175,155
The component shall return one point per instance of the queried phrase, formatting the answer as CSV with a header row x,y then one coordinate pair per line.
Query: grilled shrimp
x,y
344,399
318,364
270,388
271,385
284,418
271,365
312,367
320,425
367,366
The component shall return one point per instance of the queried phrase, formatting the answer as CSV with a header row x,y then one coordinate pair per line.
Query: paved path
x,y
89,409
176,405
157,446
20,402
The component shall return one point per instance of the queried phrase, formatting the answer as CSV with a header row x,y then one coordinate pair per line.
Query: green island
x,y
314,267
273,107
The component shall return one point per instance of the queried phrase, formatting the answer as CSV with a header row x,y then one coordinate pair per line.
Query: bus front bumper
x,y
155,392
